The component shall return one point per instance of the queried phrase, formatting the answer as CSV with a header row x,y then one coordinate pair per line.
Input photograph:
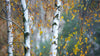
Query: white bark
x,y
30,22
26,28
9,28
55,27
38,39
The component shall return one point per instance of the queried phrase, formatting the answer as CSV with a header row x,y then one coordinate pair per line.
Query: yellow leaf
x,y
69,38
36,47
50,52
86,39
66,39
99,15
39,25
94,38
76,46
61,37
43,46
82,54
67,20
80,38
64,47
31,40
62,17
22,33
13,9
73,17
84,8
92,24
96,20
76,38
32,31
85,23
73,32
71,54
74,11
66,11
50,39
85,52
23,53
81,18
16,1
54,52
66,53
40,54
48,25
41,32
23,27
36,5
88,24
75,53
58,47
54,36
60,44
37,13
81,51
10,26
81,43
40,21
87,47
66,44
95,15
75,28
11,4
48,20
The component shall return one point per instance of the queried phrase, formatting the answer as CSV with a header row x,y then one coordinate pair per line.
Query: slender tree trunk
x,y
55,27
9,28
38,39
26,28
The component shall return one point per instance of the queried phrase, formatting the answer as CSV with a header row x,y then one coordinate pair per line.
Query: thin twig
x,y
12,22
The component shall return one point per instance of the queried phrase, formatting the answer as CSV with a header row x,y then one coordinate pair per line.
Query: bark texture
x,y
55,27
26,28
9,28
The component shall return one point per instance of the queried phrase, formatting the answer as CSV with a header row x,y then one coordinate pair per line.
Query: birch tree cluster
x,y
49,27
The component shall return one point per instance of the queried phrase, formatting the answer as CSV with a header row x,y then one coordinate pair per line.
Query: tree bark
x,y
9,28
55,26
26,28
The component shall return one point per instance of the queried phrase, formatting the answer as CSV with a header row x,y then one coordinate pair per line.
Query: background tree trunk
x,y
9,28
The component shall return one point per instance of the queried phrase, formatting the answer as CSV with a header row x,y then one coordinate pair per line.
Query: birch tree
x,y
26,28
55,27
9,28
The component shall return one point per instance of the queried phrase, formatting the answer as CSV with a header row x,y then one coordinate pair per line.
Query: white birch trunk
x,y
9,28
55,26
26,28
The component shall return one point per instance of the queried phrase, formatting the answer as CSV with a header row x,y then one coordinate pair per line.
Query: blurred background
x,y
79,27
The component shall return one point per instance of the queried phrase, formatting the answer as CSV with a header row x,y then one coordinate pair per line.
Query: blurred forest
x,y
49,27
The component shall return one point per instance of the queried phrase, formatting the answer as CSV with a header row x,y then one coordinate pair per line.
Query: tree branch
x,y
12,22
